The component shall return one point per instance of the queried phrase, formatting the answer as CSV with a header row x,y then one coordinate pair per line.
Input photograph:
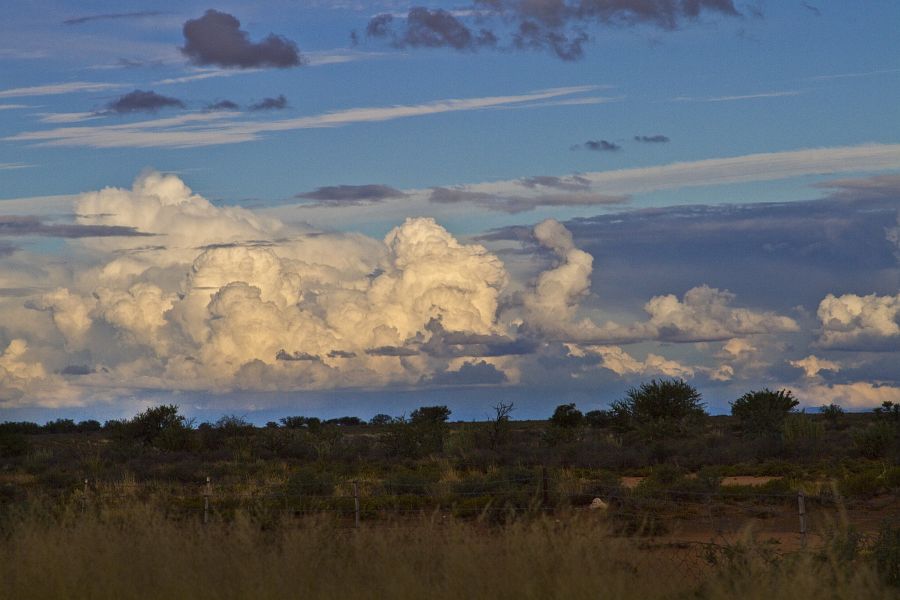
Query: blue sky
x,y
310,131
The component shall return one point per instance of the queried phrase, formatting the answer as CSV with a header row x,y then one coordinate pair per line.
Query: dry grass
x,y
139,553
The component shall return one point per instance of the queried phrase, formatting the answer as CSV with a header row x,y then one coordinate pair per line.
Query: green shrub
x,y
762,412
886,554
660,409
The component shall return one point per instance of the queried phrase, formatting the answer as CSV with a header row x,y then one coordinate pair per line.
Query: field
x,y
403,508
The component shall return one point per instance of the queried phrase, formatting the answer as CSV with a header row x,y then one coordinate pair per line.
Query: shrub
x,y
886,554
762,413
659,409
876,440
13,444
598,419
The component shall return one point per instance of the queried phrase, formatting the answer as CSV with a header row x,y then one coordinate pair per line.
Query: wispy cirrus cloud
x,y
732,98
112,17
53,89
198,129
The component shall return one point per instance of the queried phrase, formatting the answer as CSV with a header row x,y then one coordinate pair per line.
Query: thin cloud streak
x,y
188,131
60,88
738,97
767,166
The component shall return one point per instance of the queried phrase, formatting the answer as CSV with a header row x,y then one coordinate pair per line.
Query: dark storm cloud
x,y
77,370
477,373
142,101
558,26
33,226
270,104
223,105
112,17
426,28
216,38
517,204
341,354
652,139
295,356
796,252
450,344
391,351
599,146
352,194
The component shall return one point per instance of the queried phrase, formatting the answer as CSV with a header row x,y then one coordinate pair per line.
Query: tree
x,y
761,413
500,423
566,416
832,412
430,426
160,426
381,419
659,409
598,419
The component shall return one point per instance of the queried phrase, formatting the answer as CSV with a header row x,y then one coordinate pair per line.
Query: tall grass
x,y
52,552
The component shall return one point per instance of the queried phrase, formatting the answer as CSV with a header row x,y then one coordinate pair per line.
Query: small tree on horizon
x,y
762,412
660,409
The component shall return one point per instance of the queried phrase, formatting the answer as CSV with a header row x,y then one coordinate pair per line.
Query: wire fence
x,y
687,531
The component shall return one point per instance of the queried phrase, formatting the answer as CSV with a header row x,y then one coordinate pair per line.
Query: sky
x,y
333,207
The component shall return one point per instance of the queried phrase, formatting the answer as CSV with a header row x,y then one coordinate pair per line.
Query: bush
x,y
886,555
659,409
762,413
876,440
566,416
13,444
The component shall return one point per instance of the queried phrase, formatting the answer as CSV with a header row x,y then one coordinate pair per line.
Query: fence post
x,y
206,493
545,487
356,503
84,499
801,510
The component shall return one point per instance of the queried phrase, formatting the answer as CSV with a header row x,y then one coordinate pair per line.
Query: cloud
x,y
391,351
703,314
217,39
812,9
615,359
142,101
213,128
813,365
111,17
600,146
223,105
270,104
471,373
427,28
768,166
858,322
522,203
17,374
557,26
652,139
294,356
856,395
33,226
59,88
875,187
351,194
732,98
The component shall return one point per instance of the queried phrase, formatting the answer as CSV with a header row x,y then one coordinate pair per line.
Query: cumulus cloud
x,y
471,373
617,360
857,395
868,322
142,101
277,103
702,314
352,194
17,374
558,26
216,38
864,188
813,365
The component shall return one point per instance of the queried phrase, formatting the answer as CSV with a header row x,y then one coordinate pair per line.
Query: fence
x,y
690,531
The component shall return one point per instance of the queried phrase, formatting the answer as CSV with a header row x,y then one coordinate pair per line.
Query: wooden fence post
x,y
206,493
84,497
801,510
356,503
545,488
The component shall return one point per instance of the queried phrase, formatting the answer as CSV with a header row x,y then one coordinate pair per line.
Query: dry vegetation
x,y
139,553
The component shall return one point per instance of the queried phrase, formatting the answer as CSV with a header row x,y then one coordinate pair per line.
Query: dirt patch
x,y
747,480
751,480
